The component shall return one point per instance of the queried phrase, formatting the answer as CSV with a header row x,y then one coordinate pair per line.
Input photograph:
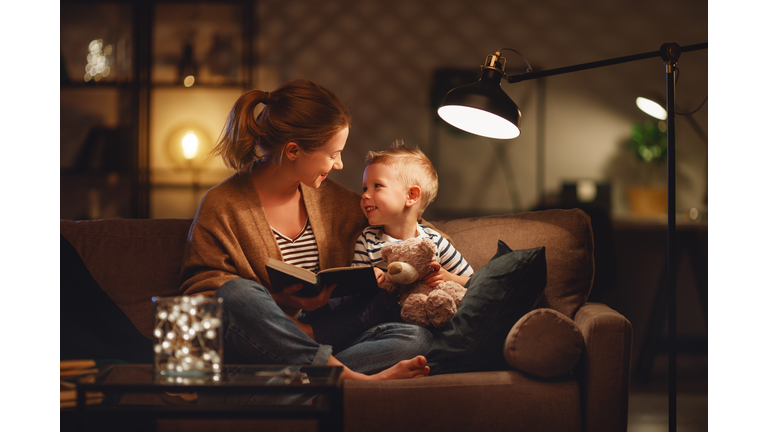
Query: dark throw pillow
x,y
92,326
498,295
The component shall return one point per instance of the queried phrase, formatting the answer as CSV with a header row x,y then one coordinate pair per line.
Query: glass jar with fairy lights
x,y
188,335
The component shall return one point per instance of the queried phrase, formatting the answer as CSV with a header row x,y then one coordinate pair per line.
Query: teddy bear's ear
x,y
428,246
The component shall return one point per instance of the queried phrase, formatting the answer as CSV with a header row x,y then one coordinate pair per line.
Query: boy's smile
x,y
383,199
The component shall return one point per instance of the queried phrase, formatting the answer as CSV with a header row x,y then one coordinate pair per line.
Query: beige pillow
x,y
544,343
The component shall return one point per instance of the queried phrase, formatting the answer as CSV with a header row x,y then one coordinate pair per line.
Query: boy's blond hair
x,y
412,167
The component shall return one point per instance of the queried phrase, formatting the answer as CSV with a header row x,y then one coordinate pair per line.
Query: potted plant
x,y
648,144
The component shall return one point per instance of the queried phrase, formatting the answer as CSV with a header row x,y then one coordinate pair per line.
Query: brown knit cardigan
x,y
230,236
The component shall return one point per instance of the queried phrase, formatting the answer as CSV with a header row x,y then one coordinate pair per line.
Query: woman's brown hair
x,y
299,111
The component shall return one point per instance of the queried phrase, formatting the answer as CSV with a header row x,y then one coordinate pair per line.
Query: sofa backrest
x,y
566,235
132,260
135,259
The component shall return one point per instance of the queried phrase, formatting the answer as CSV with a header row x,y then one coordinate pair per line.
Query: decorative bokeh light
x,y
98,61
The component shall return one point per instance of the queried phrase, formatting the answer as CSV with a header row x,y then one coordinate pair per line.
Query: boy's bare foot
x,y
413,368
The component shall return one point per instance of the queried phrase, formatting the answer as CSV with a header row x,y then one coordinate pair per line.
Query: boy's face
x,y
384,196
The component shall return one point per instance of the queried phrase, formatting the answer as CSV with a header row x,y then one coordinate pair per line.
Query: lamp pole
x,y
670,53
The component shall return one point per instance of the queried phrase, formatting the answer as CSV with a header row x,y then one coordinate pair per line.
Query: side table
x,y
239,391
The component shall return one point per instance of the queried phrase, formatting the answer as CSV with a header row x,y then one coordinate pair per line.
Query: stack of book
x,y
75,372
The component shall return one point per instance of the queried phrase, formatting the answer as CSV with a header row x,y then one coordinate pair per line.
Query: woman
x,y
278,199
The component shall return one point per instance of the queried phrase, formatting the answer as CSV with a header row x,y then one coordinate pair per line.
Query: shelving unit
x,y
114,127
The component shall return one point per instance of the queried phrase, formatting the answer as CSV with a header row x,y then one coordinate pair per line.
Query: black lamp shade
x,y
482,108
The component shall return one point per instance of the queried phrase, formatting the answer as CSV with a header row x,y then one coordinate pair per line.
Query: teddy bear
x,y
408,263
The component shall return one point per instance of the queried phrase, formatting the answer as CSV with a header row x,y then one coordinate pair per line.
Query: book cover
x,y
348,280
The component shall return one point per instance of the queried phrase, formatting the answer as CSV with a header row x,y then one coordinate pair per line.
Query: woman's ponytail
x,y
239,140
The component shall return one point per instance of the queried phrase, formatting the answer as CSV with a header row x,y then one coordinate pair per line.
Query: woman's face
x,y
314,167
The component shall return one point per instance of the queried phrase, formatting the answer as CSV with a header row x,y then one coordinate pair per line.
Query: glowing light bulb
x,y
478,122
586,190
651,108
189,144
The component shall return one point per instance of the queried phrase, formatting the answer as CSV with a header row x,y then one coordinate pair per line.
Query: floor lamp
x,y
484,109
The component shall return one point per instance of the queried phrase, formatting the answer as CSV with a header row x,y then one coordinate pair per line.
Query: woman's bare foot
x,y
413,368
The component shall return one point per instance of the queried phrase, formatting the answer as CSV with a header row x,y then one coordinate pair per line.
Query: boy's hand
x,y
439,274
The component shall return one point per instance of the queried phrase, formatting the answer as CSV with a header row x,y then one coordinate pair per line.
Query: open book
x,y
348,280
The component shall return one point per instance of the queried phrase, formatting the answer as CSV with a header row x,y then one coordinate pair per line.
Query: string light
x,y
98,61
187,335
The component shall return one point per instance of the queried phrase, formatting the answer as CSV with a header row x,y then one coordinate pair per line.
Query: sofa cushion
x,y
474,401
132,260
567,235
544,343
498,294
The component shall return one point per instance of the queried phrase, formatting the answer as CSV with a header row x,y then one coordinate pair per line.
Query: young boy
x,y
398,185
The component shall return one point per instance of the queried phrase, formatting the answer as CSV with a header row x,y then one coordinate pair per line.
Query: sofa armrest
x,y
604,367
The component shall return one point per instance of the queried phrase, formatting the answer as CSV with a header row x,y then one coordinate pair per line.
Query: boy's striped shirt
x,y
373,239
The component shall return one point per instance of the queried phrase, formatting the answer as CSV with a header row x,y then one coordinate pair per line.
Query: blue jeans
x,y
257,331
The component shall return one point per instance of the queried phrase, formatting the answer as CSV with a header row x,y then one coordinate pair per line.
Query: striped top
x,y
300,251
373,239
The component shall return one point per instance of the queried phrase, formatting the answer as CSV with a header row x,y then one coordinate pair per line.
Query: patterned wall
x,y
380,56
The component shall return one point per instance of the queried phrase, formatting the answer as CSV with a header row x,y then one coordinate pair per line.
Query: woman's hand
x,y
306,328
439,274
286,298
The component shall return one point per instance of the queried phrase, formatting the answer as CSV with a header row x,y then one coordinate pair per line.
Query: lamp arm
x,y
592,65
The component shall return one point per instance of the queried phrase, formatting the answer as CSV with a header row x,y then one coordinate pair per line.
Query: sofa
x,y
567,360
